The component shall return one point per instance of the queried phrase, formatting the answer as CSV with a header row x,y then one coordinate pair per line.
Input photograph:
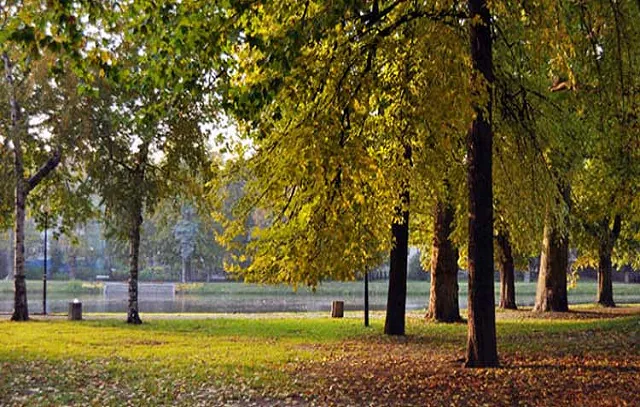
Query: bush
x,y
159,273
191,288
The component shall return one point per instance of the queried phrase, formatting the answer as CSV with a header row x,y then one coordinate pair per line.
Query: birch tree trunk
x,y
137,206
23,187
20,307
133,316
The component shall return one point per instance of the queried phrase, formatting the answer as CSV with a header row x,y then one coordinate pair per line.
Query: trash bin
x,y
75,310
337,309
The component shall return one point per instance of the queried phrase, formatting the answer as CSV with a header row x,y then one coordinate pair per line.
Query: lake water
x,y
208,303
249,303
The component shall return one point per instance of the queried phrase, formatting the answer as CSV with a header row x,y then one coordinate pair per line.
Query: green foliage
x,y
150,105
44,43
331,96
326,98
606,74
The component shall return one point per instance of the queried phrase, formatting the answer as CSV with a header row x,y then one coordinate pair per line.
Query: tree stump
x,y
337,309
75,311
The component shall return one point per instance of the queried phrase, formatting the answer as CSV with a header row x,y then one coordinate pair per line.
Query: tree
x,y
331,112
535,146
131,182
481,345
507,272
443,298
41,100
551,291
540,128
24,185
397,295
605,83
149,108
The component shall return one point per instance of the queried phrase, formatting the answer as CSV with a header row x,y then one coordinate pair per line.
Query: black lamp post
x,y
366,298
44,271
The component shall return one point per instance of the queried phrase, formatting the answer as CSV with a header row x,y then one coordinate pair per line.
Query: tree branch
x,y
407,18
46,168
376,14
617,225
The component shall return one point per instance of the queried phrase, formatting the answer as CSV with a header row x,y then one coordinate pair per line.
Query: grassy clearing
x,y
160,362
315,360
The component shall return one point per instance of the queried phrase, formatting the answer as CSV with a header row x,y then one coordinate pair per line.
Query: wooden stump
x,y
337,309
75,311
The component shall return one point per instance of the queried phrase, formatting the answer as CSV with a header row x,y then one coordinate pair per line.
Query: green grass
x,y
56,286
152,359
211,361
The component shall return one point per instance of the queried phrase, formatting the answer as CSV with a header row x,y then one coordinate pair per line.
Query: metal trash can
x,y
75,310
337,309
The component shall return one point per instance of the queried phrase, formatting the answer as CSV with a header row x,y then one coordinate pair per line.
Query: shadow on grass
x,y
565,367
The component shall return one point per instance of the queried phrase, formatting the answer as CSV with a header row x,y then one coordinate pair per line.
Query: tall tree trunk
x,y
605,265
605,284
481,342
20,307
443,297
507,273
551,292
133,316
397,295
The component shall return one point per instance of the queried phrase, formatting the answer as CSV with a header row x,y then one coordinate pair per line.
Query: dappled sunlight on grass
x,y
268,359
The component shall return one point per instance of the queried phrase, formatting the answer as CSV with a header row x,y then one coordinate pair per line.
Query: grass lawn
x,y
589,356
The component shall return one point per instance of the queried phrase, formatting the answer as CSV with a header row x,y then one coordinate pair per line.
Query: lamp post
x,y
366,298
44,271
